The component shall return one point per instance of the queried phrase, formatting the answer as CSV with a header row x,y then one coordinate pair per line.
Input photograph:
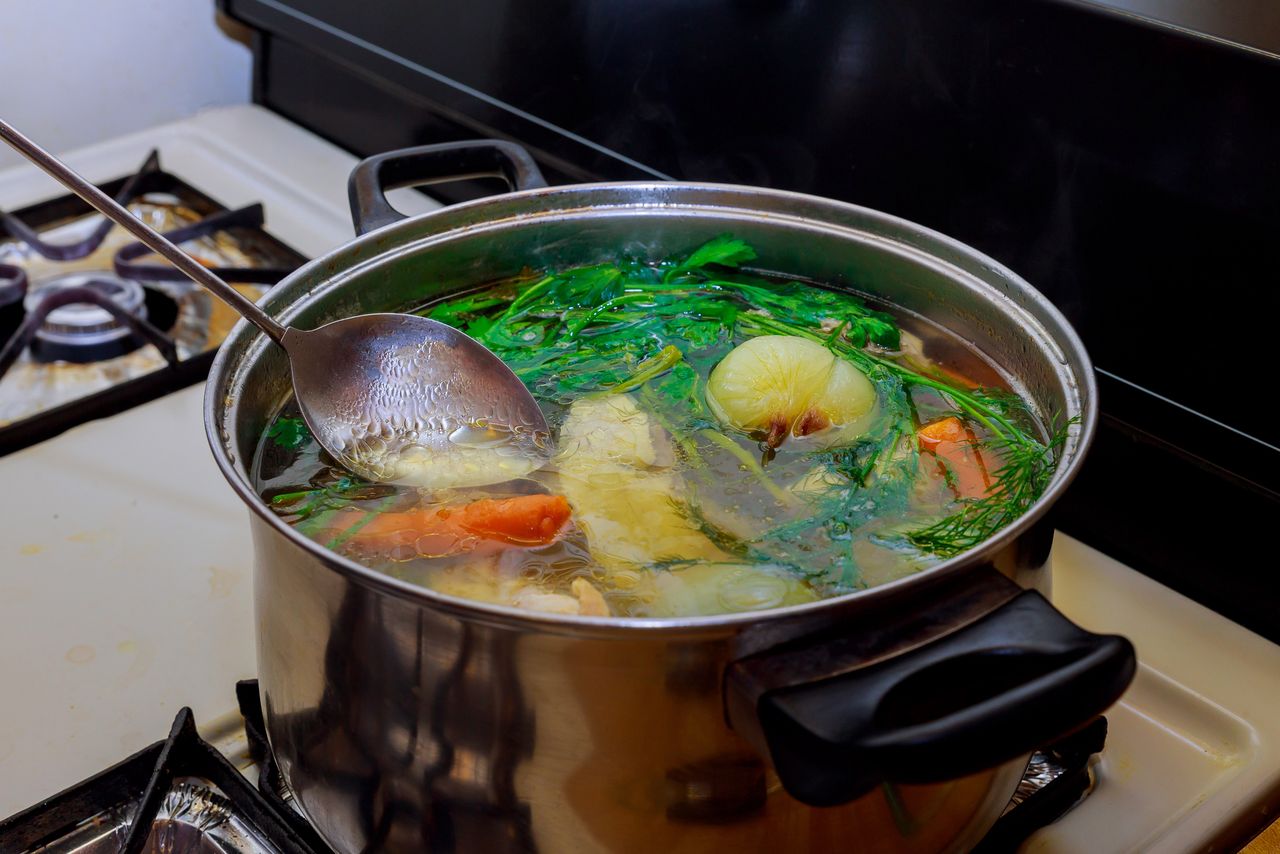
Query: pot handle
x,y
1007,683
433,164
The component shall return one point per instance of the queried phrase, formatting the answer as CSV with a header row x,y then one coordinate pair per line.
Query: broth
x,y
725,442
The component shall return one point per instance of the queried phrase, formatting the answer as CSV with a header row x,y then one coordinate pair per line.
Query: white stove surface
x,y
126,589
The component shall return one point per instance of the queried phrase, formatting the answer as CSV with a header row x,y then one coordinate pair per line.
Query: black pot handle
x,y
1003,685
433,164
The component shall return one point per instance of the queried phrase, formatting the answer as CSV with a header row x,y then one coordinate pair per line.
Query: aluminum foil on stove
x,y
193,819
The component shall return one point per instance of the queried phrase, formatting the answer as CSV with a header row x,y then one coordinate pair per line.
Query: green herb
x,y
289,433
1023,475
650,368
656,329
749,464
907,825
725,251
332,494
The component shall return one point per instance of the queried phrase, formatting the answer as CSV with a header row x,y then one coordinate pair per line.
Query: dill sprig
x,y
1025,471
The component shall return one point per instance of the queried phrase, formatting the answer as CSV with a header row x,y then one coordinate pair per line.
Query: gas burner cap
x,y
86,324
13,284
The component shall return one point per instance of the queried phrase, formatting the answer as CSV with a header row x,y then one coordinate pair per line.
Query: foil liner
x,y
193,819
1041,771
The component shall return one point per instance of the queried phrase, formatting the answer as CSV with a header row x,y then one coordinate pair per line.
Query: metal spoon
x,y
392,397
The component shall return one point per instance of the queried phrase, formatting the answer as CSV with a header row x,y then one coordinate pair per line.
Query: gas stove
x,y
91,325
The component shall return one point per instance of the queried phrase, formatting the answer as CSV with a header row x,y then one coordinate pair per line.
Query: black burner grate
x,y
19,325
140,182
129,802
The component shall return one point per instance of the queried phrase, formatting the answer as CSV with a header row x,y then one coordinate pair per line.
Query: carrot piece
x,y
950,429
955,447
527,520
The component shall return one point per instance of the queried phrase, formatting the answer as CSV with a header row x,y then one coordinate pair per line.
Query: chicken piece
x,y
533,599
590,600
608,429
717,588
630,512
501,583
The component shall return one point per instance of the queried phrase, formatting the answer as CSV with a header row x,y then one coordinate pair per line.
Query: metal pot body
x,y
403,727
405,720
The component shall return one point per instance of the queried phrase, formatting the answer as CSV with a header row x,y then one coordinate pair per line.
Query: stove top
x,y
92,323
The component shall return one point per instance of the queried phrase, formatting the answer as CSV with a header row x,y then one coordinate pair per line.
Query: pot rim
x,y
375,244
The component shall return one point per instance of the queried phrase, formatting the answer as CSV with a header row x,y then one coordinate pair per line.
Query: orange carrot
x,y
955,447
527,520
949,429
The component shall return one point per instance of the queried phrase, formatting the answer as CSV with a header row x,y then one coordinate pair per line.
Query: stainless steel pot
x,y
899,717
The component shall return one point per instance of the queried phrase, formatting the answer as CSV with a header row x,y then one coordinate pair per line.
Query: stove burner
x,y
86,331
86,358
135,185
180,794
98,339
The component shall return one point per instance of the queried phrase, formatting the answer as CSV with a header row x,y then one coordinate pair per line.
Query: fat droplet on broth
x,y
448,466
476,454
481,435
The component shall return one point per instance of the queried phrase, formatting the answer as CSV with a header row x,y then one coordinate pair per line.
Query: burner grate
x,y
13,290
1058,777
177,790
251,217
135,185
68,356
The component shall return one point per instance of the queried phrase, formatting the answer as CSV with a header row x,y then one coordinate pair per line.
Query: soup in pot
x,y
724,441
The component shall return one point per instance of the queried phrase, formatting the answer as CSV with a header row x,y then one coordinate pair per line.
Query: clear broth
x,y
659,527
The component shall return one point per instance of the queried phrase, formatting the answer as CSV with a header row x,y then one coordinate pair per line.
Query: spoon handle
x,y
151,238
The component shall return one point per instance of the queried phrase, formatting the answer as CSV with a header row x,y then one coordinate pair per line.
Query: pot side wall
x,y
401,727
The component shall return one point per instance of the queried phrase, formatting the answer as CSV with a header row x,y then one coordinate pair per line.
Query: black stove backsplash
x,y
1131,171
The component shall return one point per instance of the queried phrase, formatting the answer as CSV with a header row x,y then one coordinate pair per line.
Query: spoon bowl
x,y
406,399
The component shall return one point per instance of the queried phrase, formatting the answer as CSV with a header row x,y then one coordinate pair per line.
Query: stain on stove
x,y
143,654
81,653
88,536
31,549
222,582
1120,765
